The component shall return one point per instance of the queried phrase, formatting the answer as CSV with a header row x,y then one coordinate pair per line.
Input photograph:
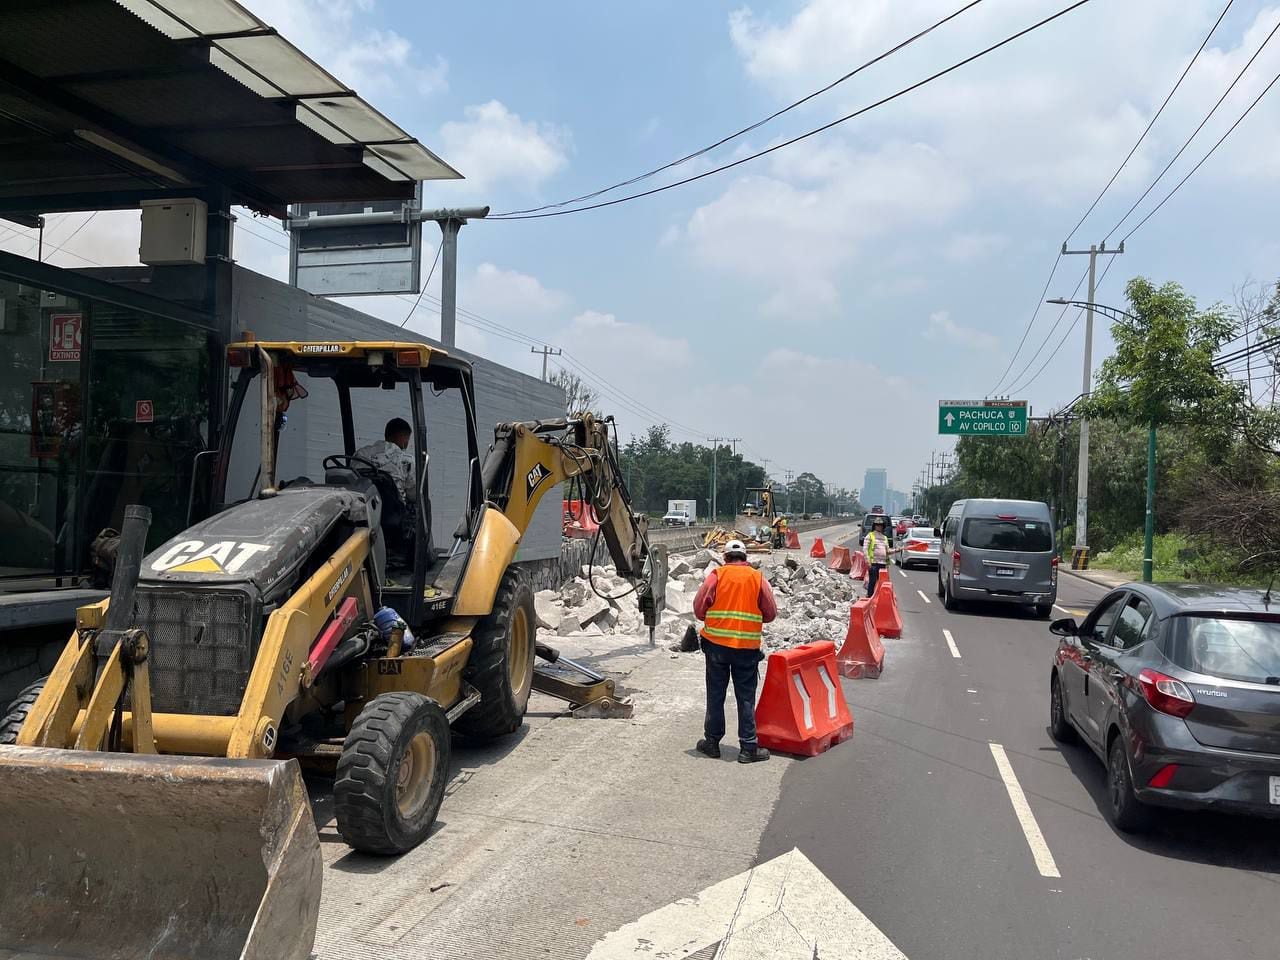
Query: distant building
x,y
875,487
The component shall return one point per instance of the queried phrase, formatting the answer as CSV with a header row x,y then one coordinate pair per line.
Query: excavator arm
x,y
531,458
526,462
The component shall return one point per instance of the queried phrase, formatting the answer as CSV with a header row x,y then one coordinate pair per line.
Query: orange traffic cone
x,y
819,550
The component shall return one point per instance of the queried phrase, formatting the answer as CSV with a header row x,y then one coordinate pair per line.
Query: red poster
x,y
144,411
64,336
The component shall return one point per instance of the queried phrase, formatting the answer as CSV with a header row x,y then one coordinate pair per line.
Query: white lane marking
x,y
1062,609
951,644
1026,819
753,914
923,597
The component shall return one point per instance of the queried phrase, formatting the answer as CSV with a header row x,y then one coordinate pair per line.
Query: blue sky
x,y
818,302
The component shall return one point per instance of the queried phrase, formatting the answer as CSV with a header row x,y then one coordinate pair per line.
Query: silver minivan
x,y
1001,551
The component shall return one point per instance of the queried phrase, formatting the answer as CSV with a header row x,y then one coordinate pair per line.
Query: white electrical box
x,y
173,232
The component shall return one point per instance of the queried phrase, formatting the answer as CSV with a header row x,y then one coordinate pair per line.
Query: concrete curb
x,y
1109,580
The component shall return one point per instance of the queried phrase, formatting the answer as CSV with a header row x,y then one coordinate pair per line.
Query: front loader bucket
x,y
108,856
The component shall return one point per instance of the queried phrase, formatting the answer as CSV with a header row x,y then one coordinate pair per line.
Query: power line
x,y
426,283
804,136
1154,118
748,129
1230,130
1096,200
1194,134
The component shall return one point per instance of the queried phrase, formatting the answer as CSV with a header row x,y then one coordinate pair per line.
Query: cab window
x,y
1100,626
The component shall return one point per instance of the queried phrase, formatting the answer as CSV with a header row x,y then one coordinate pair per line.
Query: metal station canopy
x,y
104,103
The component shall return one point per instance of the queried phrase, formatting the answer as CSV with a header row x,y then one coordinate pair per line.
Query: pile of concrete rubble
x,y
813,601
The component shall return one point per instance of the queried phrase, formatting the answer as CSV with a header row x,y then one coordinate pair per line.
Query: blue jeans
x,y
742,666
873,577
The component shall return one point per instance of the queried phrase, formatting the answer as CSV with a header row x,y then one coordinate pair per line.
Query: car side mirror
x,y
1066,627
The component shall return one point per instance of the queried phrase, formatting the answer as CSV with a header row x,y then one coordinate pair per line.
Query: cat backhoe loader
x,y
153,803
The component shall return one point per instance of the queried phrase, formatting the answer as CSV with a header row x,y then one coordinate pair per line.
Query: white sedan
x,y
919,545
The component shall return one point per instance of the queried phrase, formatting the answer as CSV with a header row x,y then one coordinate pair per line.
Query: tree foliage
x,y
579,396
1162,370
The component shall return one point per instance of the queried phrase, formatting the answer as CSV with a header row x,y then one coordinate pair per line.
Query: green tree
x,y
1162,372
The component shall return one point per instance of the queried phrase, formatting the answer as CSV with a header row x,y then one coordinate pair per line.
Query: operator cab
x,y
355,389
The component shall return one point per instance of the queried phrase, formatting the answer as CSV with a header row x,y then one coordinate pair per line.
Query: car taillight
x,y
955,562
1163,776
1053,571
1165,693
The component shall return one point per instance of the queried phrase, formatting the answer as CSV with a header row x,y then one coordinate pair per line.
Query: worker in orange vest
x,y
734,603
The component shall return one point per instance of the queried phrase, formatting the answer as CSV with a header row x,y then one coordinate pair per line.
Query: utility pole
x,y
790,476
715,475
1080,553
546,352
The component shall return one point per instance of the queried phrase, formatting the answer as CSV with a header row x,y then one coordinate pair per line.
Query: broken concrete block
x,y
607,619
677,567
568,626
575,592
590,608
548,614
592,630
679,602
690,583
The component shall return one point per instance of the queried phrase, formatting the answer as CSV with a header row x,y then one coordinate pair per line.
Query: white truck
x,y
680,513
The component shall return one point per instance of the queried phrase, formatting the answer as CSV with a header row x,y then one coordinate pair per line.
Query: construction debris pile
x,y
813,601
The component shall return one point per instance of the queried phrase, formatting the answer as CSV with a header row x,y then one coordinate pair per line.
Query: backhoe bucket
x,y
107,856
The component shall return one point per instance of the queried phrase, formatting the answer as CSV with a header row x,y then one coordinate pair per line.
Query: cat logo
x,y
195,556
534,478
337,584
320,348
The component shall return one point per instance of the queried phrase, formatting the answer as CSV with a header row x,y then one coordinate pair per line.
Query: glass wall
x,y
101,406
41,428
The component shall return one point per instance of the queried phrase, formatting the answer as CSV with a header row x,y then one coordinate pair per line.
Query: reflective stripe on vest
x,y
734,618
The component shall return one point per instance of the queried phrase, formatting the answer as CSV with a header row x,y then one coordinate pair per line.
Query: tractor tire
x,y
501,663
392,773
16,715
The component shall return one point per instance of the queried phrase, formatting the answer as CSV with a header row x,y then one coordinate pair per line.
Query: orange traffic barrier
x,y
818,550
802,708
859,565
840,560
793,540
884,608
862,654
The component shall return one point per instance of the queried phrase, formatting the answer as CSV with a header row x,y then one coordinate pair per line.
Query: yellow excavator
x,y
153,803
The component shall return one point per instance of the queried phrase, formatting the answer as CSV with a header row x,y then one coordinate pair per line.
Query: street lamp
x,y
1148,533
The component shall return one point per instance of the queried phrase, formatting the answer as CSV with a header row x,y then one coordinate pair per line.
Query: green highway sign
x,y
983,418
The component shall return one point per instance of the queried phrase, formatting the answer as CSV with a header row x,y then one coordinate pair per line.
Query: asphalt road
x,y
914,823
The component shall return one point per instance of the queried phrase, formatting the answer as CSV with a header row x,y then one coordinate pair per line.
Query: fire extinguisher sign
x,y
64,336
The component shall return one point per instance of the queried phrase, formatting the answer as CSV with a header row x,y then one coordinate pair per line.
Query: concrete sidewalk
x,y
1103,578
556,836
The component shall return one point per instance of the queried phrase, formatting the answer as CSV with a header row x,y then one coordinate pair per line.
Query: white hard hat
x,y
735,546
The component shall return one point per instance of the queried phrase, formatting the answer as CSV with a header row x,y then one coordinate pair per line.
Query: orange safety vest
x,y
734,618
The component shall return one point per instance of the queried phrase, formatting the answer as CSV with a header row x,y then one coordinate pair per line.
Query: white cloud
x,y
943,329
497,293
968,247
494,145
373,61
798,229
633,346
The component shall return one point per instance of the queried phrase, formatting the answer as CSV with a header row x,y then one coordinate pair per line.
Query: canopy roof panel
x,y
104,103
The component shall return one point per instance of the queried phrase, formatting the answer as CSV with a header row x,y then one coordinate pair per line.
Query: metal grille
x,y
200,649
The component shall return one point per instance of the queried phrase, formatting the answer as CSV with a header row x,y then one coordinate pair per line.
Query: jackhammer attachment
x,y
107,856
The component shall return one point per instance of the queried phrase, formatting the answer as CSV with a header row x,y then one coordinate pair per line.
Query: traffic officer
x,y
877,546
734,603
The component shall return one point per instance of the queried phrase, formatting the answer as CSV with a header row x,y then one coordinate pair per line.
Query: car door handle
x,y
1116,675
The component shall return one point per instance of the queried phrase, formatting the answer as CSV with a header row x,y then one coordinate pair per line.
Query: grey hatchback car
x,y
1176,687
1000,551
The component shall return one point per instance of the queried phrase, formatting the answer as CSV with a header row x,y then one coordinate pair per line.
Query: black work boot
x,y
755,755
710,748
